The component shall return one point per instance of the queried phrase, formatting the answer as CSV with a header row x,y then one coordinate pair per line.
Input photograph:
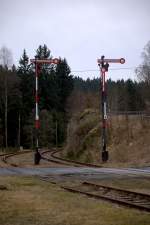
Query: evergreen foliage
x,y
55,85
121,95
61,94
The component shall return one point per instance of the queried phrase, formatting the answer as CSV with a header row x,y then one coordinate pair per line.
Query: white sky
x,y
79,30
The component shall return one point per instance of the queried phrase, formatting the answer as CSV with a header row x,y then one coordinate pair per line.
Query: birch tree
x,y
6,62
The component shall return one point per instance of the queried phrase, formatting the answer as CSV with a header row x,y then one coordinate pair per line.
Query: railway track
x,y
5,156
50,158
53,158
117,196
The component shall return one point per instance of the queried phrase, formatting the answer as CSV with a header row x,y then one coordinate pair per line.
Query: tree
x,y
134,101
143,71
1,134
28,132
143,74
24,66
6,62
48,90
55,86
14,103
47,130
6,58
9,114
26,75
65,83
43,52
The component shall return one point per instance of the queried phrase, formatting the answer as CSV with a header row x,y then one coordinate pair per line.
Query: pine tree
x,y
65,83
43,52
48,90
13,105
27,78
47,130
24,66
134,99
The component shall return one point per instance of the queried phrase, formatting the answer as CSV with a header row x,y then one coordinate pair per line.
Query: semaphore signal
x,y
103,60
38,63
45,61
104,65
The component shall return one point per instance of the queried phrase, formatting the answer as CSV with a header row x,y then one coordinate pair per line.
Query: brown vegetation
x,y
127,138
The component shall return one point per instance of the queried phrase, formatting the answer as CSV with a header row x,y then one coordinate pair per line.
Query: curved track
x,y
118,196
50,157
53,158
5,156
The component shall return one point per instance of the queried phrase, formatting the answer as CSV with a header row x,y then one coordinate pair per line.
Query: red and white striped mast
x,y
38,63
103,65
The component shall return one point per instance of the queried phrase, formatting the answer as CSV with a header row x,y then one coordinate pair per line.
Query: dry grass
x,y
138,184
128,139
129,142
29,201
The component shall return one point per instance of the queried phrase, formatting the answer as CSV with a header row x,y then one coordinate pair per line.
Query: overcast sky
x,y
79,30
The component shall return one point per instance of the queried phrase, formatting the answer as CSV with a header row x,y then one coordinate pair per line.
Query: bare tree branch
x,y
6,58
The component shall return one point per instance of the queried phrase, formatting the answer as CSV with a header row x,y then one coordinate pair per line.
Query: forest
x,y
62,95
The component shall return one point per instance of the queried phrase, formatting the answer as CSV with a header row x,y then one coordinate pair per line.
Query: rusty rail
x,y
5,156
63,161
118,196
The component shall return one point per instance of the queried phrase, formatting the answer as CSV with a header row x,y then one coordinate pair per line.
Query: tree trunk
x,y
19,131
6,110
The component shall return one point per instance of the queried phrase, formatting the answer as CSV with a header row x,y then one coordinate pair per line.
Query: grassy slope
x,y
29,201
127,137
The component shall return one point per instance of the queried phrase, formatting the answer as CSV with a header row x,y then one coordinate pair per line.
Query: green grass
x,y
29,201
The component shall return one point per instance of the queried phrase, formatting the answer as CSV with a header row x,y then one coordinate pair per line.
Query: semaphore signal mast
x,y
103,65
38,63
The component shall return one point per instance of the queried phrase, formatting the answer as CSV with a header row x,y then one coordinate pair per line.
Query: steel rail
x,y
121,197
77,163
118,196
5,156
51,158
116,189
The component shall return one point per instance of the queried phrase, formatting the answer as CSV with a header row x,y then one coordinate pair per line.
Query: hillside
x,y
127,137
